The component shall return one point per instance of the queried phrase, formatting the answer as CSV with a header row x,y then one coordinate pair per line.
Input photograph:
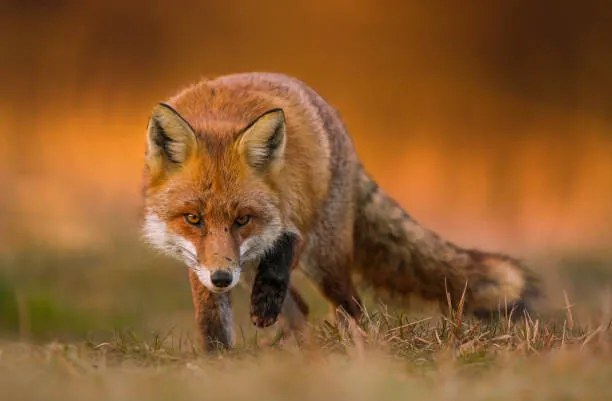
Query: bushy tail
x,y
395,254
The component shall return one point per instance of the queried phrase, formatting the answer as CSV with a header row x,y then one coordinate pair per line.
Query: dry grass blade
x,y
568,309
409,324
590,337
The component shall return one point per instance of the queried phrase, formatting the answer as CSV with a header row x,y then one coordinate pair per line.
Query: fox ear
x,y
262,143
170,139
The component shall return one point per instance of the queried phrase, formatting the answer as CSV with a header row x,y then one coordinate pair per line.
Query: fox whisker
x,y
191,257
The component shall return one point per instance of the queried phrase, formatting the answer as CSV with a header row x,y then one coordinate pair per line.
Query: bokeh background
x,y
490,121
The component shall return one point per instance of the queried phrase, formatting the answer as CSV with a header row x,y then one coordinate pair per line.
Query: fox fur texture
x,y
257,172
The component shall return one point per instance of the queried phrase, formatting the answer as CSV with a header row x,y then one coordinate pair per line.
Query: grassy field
x,y
394,359
117,324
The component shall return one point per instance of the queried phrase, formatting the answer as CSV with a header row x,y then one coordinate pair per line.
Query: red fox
x,y
256,171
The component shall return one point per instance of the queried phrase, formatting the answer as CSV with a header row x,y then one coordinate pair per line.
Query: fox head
x,y
210,197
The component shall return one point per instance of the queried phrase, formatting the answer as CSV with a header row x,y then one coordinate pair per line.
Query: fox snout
x,y
218,267
221,278
218,261
218,280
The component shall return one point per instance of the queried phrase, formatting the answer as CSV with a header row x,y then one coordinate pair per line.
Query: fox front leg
x,y
213,314
272,280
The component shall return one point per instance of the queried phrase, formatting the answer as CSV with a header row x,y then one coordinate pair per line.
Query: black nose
x,y
221,278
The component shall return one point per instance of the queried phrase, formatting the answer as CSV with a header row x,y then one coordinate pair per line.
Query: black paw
x,y
266,306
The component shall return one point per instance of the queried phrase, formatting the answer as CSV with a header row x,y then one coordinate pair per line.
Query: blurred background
x,y
490,121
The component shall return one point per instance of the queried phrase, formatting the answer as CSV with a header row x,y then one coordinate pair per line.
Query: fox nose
x,y
221,278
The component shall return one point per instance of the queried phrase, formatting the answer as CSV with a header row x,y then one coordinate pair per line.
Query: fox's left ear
x,y
170,140
262,143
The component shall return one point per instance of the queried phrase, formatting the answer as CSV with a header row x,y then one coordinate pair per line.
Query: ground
x,y
117,326
415,360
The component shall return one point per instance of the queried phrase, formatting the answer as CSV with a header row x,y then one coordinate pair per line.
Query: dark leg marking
x,y
272,280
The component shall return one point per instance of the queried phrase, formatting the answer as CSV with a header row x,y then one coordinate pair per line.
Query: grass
x,y
117,325
392,358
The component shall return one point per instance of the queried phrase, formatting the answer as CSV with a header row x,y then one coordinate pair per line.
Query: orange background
x,y
491,122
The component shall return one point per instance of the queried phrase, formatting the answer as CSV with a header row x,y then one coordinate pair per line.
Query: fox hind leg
x,y
295,311
340,291
336,285
328,259
293,320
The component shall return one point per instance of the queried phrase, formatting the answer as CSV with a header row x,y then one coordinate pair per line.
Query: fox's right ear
x,y
262,144
170,140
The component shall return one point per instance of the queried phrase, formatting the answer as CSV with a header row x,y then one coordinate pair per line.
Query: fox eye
x,y
243,220
193,219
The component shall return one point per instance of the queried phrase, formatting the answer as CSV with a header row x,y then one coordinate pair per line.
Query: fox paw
x,y
266,306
